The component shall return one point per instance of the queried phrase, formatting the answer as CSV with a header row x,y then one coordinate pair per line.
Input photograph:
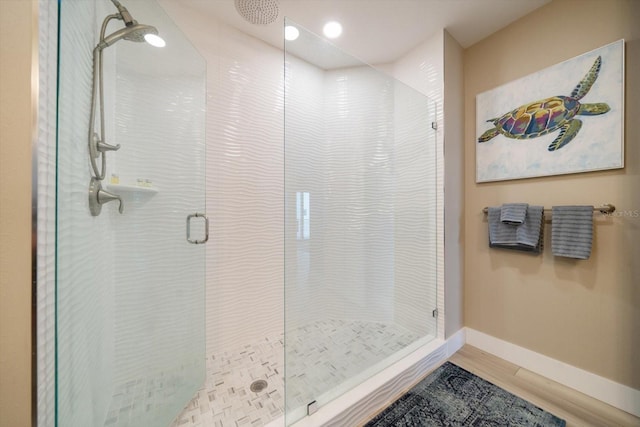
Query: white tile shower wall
x,y
244,180
306,163
370,159
344,159
362,261
423,69
242,54
244,190
359,185
415,212
159,276
84,271
244,298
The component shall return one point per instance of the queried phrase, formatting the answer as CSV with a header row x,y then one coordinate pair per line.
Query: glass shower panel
x,y
360,222
129,287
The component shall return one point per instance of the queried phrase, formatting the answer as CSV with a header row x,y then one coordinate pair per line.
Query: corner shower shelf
x,y
123,189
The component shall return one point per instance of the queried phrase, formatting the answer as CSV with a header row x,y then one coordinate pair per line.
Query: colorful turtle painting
x,y
547,115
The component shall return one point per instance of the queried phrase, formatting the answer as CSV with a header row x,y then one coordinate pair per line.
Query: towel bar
x,y
604,209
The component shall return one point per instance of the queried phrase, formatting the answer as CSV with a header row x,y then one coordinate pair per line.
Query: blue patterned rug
x,y
451,396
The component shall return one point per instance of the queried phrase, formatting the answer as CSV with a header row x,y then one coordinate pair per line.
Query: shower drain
x,y
258,385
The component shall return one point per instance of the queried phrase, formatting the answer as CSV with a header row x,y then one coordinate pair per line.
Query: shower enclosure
x,y
319,177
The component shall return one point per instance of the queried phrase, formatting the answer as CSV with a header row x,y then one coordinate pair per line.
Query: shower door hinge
x,y
312,407
434,125
434,313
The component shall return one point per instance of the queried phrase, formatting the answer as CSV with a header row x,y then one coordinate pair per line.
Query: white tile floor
x,y
226,398
324,355
320,357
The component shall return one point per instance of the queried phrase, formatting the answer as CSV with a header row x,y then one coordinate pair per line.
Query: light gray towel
x,y
527,237
513,213
572,231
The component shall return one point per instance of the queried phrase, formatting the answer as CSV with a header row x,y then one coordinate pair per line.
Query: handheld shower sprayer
x,y
135,33
132,31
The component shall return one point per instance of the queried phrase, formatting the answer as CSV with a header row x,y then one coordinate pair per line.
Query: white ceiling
x,y
380,31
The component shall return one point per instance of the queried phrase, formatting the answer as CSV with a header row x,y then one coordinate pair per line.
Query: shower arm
x,y
123,13
97,146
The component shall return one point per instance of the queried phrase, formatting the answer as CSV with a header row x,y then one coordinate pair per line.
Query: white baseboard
x,y
603,389
456,341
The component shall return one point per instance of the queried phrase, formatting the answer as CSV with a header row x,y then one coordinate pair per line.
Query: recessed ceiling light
x,y
332,29
291,33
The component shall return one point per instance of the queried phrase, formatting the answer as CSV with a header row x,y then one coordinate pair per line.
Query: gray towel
x,y
513,213
527,237
572,231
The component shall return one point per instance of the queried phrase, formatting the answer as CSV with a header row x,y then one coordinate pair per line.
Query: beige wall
x,y
17,29
585,313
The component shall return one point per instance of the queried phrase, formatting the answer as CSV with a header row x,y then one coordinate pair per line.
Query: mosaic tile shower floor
x,y
321,356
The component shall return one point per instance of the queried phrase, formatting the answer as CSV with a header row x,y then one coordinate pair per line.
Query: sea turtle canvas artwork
x,y
566,118
547,115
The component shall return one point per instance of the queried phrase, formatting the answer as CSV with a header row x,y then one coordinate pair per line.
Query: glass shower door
x,y
130,343
360,222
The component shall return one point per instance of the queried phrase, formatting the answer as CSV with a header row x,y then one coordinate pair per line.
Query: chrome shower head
x,y
261,12
134,32
138,32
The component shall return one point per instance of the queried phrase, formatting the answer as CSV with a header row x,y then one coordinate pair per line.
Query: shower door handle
x,y
206,228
